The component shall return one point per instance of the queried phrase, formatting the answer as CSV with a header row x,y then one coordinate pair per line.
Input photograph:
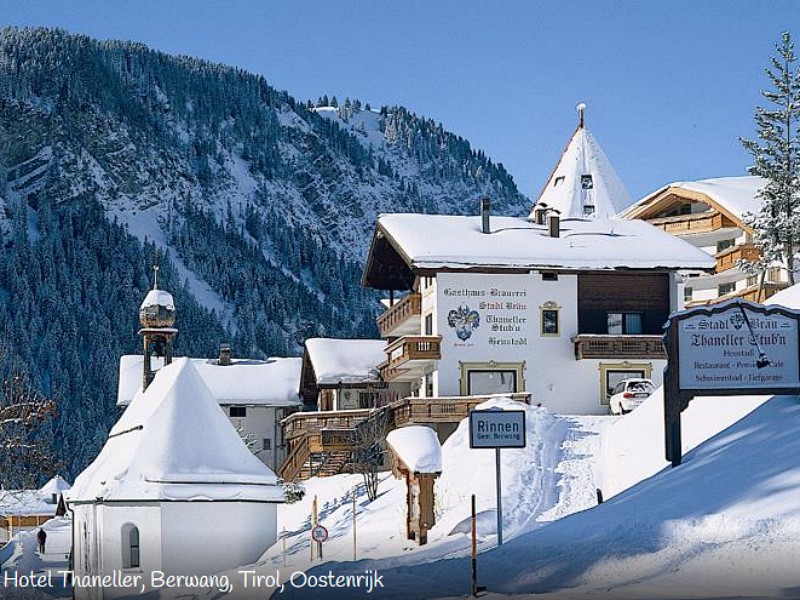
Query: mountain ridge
x,y
260,207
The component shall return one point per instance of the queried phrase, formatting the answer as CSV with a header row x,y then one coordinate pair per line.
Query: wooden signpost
x,y
732,348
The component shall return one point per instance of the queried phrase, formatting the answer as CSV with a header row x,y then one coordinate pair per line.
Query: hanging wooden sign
x,y
735,347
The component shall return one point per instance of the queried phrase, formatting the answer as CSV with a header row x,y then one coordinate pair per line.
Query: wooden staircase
x,y
320,443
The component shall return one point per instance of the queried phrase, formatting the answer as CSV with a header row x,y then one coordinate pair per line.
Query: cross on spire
x,y
155,271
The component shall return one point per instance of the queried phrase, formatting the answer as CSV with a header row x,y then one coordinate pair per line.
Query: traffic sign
x,y
319,533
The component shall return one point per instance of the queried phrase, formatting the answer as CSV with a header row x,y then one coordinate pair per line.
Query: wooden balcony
x,y
751,293
302,423
728,258
647,347
442,409
703,222
402,318
409,356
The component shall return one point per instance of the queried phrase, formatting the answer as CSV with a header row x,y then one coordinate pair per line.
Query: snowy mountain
x,y
260,208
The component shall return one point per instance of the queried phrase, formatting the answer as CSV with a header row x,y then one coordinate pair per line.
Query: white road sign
x,y
497,429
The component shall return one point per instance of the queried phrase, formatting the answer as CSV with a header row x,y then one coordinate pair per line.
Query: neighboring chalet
x,y
173,489
28,509
342,374
709,214
255,395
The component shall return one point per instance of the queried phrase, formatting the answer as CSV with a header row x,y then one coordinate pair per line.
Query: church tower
x,y
583,185
157,318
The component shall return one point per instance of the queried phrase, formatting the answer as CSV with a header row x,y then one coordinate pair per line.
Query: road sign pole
x,y
497,468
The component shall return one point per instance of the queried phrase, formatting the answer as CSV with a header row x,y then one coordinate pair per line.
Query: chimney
x,y
485,206
554,223
539,212
224,355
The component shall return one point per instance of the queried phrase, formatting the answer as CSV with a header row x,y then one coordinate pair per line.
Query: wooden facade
x,y
602,293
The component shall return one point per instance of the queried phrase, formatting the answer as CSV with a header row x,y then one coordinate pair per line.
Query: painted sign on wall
x,y
738,348
494,311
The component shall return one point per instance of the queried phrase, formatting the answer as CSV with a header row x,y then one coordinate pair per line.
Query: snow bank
x,y
633,448
529,480
725,524
418,447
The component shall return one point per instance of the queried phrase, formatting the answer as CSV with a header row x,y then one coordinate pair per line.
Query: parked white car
x,y
629,394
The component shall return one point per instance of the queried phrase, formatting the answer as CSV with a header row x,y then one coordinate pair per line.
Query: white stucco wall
x,y
208,537
192,538
556,379
260,424
97,535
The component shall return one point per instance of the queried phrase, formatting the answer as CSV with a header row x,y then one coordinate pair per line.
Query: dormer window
x,y
559,180
588,210
586,182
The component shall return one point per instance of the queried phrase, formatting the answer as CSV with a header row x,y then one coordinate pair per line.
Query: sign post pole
x,y
497,468
497,428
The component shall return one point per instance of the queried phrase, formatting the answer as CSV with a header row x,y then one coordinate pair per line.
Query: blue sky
x,y
670,86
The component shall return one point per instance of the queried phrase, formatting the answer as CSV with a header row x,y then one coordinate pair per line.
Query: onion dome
x,y
157,309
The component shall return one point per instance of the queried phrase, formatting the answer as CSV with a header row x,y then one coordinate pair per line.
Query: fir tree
x,y
776,153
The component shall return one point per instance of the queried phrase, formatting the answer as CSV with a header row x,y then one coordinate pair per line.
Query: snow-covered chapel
x,y
174,488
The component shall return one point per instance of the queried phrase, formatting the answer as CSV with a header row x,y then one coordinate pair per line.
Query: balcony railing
x,y
618,346
408,349
703,222
410,306
728,258
751,293
301,423
442,409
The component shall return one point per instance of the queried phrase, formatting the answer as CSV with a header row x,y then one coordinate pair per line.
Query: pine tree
x,y
776,153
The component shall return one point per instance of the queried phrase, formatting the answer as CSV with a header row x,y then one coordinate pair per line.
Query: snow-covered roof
x,y
26,503
790,297
345,361
584,181
446,241
159,298
175,443
274,382
736,195
55,486
418,447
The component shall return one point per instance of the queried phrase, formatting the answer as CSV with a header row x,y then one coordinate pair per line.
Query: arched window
x,y
130,546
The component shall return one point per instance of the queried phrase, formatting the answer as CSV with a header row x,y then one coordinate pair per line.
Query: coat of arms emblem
x,y
464,321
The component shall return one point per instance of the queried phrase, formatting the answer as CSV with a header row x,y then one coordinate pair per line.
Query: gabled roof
x,y
583,183
445,242
175,443
272,382
732,196
345,361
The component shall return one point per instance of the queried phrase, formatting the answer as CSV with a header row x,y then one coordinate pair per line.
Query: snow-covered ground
x,y
23,558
